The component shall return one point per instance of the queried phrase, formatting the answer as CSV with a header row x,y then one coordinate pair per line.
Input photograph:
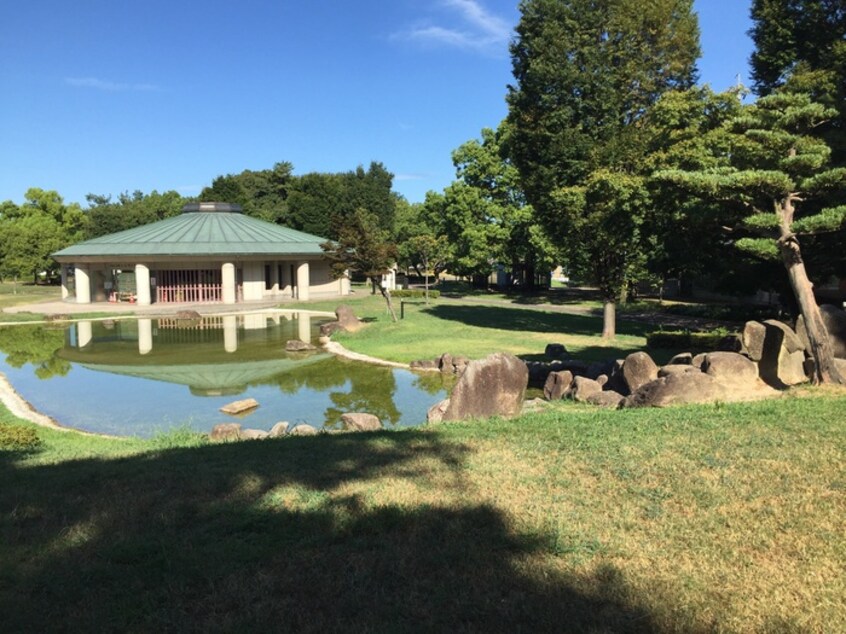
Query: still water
x,y
140,377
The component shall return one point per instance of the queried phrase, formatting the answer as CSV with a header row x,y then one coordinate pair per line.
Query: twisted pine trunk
x,y
825,370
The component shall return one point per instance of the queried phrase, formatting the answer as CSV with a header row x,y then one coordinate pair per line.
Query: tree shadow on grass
x,y
522,319
263,536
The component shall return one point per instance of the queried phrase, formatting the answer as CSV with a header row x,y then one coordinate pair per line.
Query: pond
x,y
138,377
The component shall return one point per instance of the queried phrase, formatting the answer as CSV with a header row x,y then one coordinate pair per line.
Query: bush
x,y
18,438
686,340
414,293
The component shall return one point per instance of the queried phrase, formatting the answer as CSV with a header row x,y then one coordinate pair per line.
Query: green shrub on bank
x,y
17,438
686,340
414,293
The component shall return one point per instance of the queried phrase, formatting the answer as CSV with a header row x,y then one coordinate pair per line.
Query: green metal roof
x,y
199,233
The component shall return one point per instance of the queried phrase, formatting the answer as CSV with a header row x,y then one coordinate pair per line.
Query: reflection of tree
x,y
371,391
367,388
434,382
36,345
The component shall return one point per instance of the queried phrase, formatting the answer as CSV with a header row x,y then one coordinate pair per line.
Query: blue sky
x,y
102,96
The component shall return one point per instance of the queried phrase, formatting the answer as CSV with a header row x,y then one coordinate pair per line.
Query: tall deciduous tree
x,y
775,175
586,73
364,246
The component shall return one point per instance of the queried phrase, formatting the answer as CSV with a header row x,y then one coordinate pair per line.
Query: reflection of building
x,y
210,253
215,355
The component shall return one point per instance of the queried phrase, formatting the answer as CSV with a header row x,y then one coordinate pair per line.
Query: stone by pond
x,y
139,377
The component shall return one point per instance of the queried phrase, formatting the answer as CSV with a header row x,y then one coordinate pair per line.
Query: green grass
x,y
463,327
694,519
15,294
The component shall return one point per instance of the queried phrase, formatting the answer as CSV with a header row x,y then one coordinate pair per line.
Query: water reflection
x,y
130,376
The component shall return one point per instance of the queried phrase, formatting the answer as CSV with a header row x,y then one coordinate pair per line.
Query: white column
x,y
304,327
302,281
345,283
145,336
230,333
227,272
84,334
64,282
142,285
83,285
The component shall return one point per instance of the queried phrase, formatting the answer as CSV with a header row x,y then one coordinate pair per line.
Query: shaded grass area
x,y
695,519
474,330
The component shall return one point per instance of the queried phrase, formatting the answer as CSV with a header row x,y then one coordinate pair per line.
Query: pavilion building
x,y
210,253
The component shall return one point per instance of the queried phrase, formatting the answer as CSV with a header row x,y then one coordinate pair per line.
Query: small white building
x,y
210,253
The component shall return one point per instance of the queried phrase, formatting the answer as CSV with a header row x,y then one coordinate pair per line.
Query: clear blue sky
x,y
102,96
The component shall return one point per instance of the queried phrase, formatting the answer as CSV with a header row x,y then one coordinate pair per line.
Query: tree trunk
x,y
387,295
825,370
426,278
609,319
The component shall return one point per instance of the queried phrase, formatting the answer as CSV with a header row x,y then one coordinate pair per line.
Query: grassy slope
x,y
474,330
725,518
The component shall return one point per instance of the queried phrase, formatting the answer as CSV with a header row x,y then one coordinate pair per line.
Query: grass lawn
x,y
460,326
694,519
15,294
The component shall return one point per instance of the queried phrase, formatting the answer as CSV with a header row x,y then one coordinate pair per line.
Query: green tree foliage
x,y
130,211
262,194
774,176
313,201
309,202
31,232
800,46
316,199
363,245
587,72
484,217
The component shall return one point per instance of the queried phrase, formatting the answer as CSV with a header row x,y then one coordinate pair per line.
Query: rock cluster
x,y
295,345
353,422
445,364
766,357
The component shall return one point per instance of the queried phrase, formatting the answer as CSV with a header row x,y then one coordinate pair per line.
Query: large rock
x,y
639,369
494,386
677,389
583,388
737,376
834,320
347,319
730,368
253,434
557,385
782,361
225,431
753,335
606,398
671,368
359,421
